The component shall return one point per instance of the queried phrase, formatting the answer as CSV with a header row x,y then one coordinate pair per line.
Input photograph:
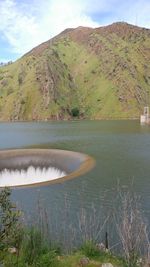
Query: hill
x,y
83,72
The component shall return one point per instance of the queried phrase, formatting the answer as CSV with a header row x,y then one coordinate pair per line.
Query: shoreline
x,y
70,120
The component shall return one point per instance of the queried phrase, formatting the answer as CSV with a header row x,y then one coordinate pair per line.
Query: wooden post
x,y
106,240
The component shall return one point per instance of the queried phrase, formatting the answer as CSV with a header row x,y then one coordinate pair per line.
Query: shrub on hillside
x,y
75,112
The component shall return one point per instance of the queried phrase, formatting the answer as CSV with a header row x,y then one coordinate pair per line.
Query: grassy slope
x,y
71,260
104,73
74,260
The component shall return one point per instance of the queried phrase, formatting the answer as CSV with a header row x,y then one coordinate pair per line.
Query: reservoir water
x,y
122,153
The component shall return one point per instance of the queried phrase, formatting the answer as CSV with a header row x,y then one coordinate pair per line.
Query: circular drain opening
x,y
32,167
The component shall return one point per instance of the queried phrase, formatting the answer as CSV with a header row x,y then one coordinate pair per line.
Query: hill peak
x,y
82,72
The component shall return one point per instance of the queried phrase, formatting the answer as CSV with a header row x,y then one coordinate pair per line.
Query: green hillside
x,y
81,73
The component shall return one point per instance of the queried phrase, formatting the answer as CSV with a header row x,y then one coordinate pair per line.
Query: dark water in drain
x,y
122,153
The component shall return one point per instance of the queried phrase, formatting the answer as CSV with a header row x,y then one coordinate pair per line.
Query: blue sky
x,y
27,23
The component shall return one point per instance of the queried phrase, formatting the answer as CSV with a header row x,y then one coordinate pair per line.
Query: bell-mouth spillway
x,y
37,167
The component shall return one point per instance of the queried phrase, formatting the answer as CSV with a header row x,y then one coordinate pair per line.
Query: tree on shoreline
x,y
11,231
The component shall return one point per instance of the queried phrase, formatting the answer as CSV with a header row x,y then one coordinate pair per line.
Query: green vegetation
x,y
75,112
83,73
11,232
28,247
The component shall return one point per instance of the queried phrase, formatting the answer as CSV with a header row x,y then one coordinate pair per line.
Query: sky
x,y
25,24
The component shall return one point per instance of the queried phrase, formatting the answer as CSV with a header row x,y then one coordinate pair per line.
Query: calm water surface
x,y
121,150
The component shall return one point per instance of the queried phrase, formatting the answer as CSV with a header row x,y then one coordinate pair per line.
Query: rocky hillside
x,y
81,73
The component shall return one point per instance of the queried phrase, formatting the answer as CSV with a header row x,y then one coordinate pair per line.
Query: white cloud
x,y
25,24
63,14
16,27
